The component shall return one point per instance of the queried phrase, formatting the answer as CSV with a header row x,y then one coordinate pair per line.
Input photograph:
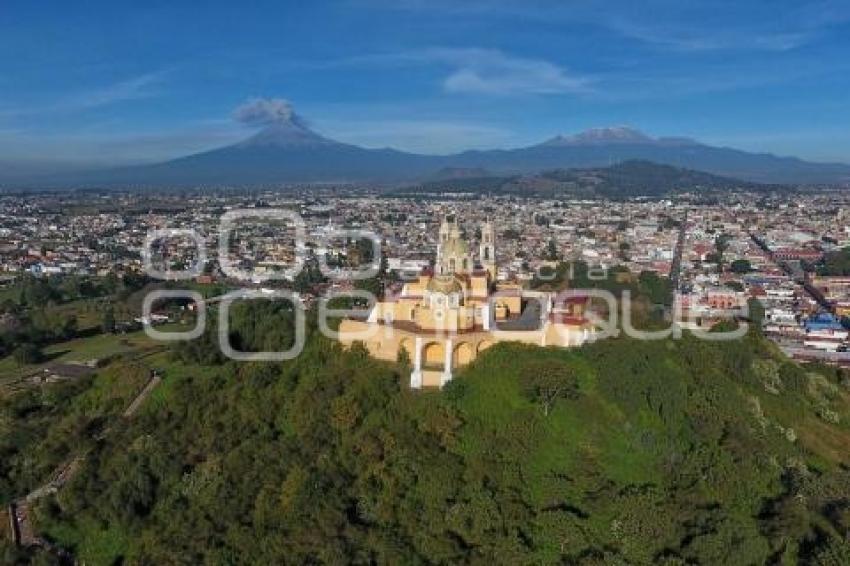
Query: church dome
x,y
445,284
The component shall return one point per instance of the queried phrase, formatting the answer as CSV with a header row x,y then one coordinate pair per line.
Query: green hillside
x,y
620,452
632,178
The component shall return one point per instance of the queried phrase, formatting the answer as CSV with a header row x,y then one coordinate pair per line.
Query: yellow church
x,y
456,310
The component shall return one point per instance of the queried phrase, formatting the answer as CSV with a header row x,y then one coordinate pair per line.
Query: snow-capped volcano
x,y
598,136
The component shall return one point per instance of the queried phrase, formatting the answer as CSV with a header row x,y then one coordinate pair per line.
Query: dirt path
x,y
22,523
142,397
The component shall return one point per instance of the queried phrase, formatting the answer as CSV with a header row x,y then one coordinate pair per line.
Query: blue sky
x,y
92,82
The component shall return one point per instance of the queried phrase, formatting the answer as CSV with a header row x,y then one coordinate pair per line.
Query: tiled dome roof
x,y
445,284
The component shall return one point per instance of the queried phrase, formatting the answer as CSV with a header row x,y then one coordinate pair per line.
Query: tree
x,y
836,552
552,251
721,244
372,285
659,290
10,554
108,324
835,263
756,310
309,276
735,286
403,358
740,266
546,381
9,306
27,353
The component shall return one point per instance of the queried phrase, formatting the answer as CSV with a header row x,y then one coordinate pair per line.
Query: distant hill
x,y
627,179
289,152
450,173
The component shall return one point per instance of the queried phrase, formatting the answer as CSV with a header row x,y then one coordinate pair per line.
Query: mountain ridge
x,y
633,178
287,151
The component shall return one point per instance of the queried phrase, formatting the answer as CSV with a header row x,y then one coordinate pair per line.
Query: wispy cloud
x,y
485,71
686,38
695,25
488,71
664,84
133,88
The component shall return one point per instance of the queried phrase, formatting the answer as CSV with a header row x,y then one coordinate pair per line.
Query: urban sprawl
x,y
724,258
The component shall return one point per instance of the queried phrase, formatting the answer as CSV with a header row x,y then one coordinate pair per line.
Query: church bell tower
x,y
487,249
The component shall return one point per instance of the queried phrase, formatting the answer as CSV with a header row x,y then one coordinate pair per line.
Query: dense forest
x,y
677,451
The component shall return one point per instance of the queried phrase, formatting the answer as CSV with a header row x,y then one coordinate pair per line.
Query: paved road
x,y
793,270
676,264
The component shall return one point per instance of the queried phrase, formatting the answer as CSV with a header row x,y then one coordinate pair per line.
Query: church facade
x,y
451,313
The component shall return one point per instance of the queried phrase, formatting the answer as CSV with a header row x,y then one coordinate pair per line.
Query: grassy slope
x,y
96,347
